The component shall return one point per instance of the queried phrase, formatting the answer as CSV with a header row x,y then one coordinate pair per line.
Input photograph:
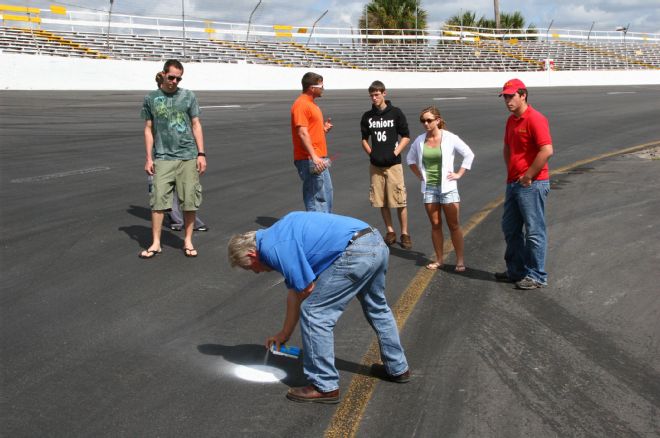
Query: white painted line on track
x,y
449,98
276,283
622,92
220,106
60,174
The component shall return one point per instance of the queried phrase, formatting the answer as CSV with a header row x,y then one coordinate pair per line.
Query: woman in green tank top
x,y
439,181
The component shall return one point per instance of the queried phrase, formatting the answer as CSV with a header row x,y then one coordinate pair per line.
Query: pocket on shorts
x,y
372,194
198,195
400,195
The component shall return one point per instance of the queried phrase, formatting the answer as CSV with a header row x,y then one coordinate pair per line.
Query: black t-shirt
x,y
384,127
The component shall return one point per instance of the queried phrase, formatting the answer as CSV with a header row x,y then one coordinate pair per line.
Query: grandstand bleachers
x,y
435,56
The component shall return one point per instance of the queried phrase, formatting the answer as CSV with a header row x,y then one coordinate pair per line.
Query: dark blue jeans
x,y
523,224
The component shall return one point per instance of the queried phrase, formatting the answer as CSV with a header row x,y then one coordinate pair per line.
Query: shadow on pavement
x,y
142,235
472,273
140,212
255,354
419,258
266,221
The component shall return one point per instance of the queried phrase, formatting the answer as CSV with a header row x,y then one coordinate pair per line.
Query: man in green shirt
x,y
174,154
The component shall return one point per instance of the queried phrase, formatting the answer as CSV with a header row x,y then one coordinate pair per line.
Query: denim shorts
x,y
432,195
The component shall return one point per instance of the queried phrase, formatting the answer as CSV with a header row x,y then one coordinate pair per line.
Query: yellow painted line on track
x,y
606,155
347,417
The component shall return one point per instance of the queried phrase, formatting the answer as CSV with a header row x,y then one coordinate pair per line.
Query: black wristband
x,y
201,154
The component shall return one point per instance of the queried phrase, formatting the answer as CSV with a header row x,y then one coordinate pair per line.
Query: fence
x,y
58,18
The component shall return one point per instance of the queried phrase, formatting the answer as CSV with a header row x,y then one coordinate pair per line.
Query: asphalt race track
x,y
97,342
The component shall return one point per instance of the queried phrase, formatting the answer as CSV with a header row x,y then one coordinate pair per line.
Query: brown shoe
x,y
401,378
406,242
310,394
390,238
378,370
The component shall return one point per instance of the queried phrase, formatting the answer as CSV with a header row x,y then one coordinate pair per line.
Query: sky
x,y
606,15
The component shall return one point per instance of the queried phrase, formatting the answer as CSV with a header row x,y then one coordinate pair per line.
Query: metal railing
x,y
85,21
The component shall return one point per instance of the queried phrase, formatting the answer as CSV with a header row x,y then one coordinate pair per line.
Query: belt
x,y
359,234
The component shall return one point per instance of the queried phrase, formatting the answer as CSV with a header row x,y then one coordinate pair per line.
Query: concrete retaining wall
x,y
34,72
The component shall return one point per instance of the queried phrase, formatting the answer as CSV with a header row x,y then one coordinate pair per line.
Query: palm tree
x,y
514,20
466,19
389,15
507,21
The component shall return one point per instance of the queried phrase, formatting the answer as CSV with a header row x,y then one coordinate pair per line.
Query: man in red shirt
x,y
310,151
527,149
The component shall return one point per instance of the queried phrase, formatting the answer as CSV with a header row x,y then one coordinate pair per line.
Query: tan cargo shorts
x,y
388,187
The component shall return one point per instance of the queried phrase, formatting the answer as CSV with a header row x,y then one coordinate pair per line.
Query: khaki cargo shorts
x,y
181,175
388,188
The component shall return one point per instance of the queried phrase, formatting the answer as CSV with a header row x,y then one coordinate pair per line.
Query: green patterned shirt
x,y
171,115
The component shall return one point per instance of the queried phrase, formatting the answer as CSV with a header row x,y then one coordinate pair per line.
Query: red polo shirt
x,y
525,136
304,112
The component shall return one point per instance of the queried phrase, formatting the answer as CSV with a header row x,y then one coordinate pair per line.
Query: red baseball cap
x,y
511,86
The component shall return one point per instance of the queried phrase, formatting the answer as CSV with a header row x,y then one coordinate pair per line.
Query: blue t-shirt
x,y
301,245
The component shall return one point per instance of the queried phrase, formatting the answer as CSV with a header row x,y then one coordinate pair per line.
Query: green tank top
x,y
432,160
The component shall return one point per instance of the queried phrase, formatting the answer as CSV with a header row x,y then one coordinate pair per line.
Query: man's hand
x,y
149,167
319,163
525,181
201,165
327,125
278,339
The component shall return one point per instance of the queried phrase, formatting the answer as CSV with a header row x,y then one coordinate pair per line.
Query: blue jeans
x,y
525,249
359,271
317,188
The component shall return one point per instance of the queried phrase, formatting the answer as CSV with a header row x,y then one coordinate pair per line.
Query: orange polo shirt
x,y
304,112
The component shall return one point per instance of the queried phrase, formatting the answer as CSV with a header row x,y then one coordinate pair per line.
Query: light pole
x,y
107,40
496,6
366,24
183,28
547,42
314,27
625,31
416,33
589,36
250,22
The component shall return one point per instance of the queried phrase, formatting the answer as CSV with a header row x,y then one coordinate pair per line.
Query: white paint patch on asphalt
x,y
622,92
259,373
60,174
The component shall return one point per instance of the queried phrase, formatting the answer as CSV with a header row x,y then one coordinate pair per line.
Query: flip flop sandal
x,y
150,253
190,252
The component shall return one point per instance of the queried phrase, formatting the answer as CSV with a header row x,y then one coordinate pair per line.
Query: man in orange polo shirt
x,y
310,152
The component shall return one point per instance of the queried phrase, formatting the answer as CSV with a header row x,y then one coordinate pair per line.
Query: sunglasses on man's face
x,y
173,78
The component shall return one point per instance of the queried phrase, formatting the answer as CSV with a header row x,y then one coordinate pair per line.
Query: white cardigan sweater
x,y
450,143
